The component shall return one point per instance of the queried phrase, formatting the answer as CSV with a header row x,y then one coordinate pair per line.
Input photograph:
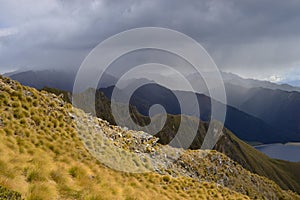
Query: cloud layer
x,y
258,38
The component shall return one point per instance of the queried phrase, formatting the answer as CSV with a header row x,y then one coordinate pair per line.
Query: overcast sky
x,y
253,38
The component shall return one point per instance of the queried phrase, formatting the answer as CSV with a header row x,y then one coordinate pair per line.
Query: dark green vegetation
x,y
285,174
63,94
8,194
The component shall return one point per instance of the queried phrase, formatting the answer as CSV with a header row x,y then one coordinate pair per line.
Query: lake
x,y
288,151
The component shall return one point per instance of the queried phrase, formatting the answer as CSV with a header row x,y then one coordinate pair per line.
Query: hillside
x,y
43,157
247,127
285,174
257,111
278,108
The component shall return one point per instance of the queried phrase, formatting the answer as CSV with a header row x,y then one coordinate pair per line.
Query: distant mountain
x,y
53,79
65,80
274,107
40,79
253,83
245,126
295,83
280,109
233,79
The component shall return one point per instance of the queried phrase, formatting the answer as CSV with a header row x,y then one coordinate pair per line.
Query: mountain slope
x,y
42,157
276,107
272,107
282,109
53,78
245,126
285,174
247,83
40,79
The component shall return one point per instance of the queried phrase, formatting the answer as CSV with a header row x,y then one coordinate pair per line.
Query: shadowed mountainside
x,y
245,126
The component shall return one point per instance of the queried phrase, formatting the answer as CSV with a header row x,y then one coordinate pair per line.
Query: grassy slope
x,y
207,166
285,174
42,157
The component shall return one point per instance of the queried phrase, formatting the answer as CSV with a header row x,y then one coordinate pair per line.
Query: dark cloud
x,y
257,38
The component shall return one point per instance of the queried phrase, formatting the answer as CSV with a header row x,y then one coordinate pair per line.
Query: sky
x,y
252,38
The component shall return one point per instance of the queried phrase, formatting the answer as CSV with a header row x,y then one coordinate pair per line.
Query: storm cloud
x,y
257,38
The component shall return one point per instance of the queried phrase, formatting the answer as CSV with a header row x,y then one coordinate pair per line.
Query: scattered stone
x,y
72,116
27,93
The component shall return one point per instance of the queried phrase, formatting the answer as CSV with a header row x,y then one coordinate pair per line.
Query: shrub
x,y
36,119
166,178
27,133
5,101
17,94
23,121
52,104
76,172
16,104
29,99
8,194
54,122
57,176
40,192
8,131
18,114
35,103
34,175
25,106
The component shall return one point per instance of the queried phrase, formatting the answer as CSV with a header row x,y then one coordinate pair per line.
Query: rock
x,y
27,93
72,116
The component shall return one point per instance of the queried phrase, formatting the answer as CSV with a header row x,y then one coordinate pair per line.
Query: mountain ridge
x,y
45,158
247,127
247,156
252,98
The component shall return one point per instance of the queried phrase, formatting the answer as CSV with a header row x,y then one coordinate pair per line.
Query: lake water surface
x,y
289,151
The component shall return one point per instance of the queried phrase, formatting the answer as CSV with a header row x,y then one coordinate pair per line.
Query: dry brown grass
x,y
42,157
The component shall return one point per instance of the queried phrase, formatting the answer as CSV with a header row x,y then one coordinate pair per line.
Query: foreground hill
x,y
43,157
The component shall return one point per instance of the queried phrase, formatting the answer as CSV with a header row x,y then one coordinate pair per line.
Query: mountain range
x,y
245,126
51,150
257,111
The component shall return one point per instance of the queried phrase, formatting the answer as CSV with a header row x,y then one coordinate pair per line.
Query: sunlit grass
x,y
42,157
